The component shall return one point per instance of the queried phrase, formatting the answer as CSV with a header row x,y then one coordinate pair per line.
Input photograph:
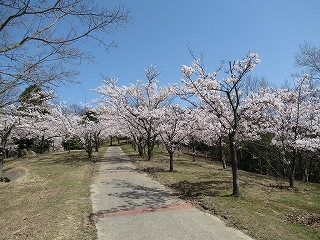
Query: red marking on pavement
x,y
141,210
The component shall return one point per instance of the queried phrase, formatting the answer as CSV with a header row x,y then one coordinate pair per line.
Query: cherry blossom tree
x,y
43,125
174,128
208,130
87,128
295,122
78,127
39,118
111,124
222,97
35,118
97,130
138,104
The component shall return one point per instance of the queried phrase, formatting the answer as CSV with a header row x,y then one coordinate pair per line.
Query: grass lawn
x,y
267,209
52,201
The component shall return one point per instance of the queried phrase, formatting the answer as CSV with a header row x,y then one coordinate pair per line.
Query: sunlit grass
x,y
52,201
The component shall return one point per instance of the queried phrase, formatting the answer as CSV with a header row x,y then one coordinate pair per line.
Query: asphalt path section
x,y
130,205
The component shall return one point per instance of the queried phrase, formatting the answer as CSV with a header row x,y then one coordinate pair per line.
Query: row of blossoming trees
x,y
221,116
37,120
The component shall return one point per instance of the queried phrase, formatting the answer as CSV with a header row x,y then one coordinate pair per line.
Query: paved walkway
x,y
130,205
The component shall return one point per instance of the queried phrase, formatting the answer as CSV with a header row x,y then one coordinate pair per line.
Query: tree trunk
x,y
150,147
234,163
140,149
291,179
260,165
1,162
305,174
110,140
221,158
171,161
194,151
292,169
88,149
89,153
150,152
42,145
224,162
88,145
1,168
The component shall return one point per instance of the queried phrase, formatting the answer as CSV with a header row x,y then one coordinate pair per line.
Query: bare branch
x,y
40,38
308,59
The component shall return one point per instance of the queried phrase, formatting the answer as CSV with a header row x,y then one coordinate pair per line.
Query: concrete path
x,y
130,205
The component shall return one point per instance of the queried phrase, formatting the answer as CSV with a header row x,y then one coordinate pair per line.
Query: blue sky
x,y
162,30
